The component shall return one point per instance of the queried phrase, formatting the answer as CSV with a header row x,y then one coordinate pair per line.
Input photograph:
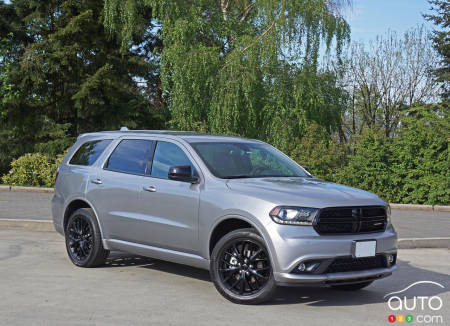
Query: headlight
x,y
388,215
293,215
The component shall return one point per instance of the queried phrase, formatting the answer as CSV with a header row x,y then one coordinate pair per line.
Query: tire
x,y
83,239
352,287
241,268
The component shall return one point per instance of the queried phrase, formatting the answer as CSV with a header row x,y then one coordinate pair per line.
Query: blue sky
x,y
369,18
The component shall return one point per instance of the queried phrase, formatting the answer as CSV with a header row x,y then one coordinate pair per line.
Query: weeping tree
x,y
243,67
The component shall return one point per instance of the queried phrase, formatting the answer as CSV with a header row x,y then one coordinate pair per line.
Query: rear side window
x,y
131,156
89,152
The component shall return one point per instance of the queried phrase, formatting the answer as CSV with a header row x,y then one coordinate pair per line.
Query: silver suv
x,y
237,207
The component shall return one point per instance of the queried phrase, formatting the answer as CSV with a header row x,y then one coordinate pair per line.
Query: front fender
x,y
247,217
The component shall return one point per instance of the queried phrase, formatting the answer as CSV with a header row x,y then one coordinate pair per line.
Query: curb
x,y
37,225
26,189
29,225
442,208
412,207
414,243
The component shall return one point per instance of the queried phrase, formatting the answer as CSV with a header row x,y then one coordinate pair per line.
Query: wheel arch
x,y
220,226
77,203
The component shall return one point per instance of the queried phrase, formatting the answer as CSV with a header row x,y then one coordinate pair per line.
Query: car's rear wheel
x,y
352,287
83,239
241,268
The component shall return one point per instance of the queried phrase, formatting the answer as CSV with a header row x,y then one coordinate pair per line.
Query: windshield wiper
x,y
242,176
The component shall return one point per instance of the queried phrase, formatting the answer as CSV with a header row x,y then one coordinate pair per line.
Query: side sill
x,y
158,253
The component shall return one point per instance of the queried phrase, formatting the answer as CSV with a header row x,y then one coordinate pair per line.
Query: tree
x,y
242,67
421,157
319,152
441,41
72,77
8,145
388,77
369,166
412,167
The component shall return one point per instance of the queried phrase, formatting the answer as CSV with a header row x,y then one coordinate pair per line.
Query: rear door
x,y
170,207
115,191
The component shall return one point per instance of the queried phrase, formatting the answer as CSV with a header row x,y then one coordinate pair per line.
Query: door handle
x,y
97,181
149,189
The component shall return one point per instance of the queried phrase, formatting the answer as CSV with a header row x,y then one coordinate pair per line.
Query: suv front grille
x,y
340,265
351,220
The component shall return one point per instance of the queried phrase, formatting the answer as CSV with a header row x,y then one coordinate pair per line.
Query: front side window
x,y
167,155
246,160
89,152
131,156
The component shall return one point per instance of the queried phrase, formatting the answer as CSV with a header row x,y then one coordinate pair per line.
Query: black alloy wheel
x,y
241,268
80,238
83,239
244,267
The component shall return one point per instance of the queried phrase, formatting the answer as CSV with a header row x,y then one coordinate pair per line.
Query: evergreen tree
x,y
70,75
441,40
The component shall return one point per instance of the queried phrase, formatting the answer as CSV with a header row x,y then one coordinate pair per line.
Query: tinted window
x,y
89,152
130,156
167,155
246,160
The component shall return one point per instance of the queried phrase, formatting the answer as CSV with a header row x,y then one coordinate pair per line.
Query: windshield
x,y
246,160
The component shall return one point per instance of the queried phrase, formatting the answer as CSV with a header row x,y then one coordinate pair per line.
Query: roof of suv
x,y
189,136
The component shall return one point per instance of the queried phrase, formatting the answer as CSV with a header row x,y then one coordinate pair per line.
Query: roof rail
x,y
81,135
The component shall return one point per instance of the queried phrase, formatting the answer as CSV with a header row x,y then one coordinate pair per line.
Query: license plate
x,y
364,248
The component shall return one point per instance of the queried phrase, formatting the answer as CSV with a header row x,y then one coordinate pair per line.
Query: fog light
x,y
390,259
302,267
312,267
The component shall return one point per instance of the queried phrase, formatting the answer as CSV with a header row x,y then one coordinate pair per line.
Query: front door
x,y
170,207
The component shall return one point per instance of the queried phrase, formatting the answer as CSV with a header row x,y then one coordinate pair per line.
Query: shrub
x,y
412,167
317,151
369,167
32,170
421,157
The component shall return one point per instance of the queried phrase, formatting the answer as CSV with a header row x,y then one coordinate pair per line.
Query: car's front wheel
x,y
241,269
83,239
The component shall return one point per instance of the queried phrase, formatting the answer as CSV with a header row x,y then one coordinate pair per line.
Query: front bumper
x,y
288,279
291,245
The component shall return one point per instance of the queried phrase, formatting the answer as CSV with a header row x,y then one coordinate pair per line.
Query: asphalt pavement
x,y
40,286
408,223
25,205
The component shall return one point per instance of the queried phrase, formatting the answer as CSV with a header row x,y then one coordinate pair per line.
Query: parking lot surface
x,y
25,205
40,286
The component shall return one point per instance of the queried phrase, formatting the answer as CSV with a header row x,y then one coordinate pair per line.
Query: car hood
x,y
307,192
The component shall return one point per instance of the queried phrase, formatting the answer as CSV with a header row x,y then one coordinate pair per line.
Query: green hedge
x,y
32,170
411,168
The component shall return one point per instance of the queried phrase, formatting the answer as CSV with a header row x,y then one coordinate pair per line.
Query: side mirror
x,y
182,173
